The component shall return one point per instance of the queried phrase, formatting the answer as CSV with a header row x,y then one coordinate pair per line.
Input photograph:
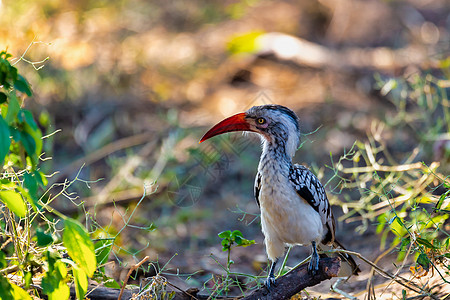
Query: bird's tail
x,y
348,265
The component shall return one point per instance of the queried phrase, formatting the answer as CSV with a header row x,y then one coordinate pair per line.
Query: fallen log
x,y
285,287
298,279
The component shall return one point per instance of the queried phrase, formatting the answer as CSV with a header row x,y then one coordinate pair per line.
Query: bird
x,y
294,206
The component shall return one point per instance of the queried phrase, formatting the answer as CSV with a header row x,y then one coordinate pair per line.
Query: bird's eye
x,y
260,120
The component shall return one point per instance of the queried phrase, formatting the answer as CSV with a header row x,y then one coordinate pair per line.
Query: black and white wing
x,y
312,191
257,187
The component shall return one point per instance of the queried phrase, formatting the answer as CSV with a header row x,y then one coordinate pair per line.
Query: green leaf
x,y
4,55
3,261
6,289
43,239
236,233
111,283
8,73
81,282
31,184
435,221
40,177
225,234
32,142
79,246
398,227
426,243
226,244
27,278
381,223
238,240
13,108
44,118
441,200
424,261
27,197
54,282
15,134
22,85
30,188
19,294
5,140
404,244
28,143
392,219
245,242
27,117
102,250
3,97
36,134
14,202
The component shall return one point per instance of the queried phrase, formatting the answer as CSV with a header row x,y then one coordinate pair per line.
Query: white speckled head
x,y
278,126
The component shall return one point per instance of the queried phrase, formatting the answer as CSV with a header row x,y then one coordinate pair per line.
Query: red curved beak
x,y
233,123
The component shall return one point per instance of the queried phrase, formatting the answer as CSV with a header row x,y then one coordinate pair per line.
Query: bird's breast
x,y
284,215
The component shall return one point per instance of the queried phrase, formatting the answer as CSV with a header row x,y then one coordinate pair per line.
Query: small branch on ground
x,y
285,287
129,274
298,279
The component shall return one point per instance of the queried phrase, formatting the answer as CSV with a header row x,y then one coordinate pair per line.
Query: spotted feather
x,y
257,187
312,191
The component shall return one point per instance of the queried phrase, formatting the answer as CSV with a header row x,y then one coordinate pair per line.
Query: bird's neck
x,y
274,157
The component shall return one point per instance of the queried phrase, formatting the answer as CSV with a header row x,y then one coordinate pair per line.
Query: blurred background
x,y
130,86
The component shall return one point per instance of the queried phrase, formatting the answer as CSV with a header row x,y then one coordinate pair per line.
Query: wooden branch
x,y
132,269
298,279
99,292
285,287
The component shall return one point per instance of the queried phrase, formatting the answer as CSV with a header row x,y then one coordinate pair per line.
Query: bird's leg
x,y
270,281
313,266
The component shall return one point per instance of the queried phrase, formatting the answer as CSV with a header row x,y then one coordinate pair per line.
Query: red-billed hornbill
x,y
294,205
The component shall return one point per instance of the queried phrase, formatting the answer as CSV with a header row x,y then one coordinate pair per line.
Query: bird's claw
x,y
270,282
313,266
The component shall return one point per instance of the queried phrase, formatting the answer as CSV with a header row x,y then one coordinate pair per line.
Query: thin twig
x,y
133,268
404,282
381,168
369,285
9,269
337,290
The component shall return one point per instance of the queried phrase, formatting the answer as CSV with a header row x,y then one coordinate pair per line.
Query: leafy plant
x,y
229,239
30,234
405,193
